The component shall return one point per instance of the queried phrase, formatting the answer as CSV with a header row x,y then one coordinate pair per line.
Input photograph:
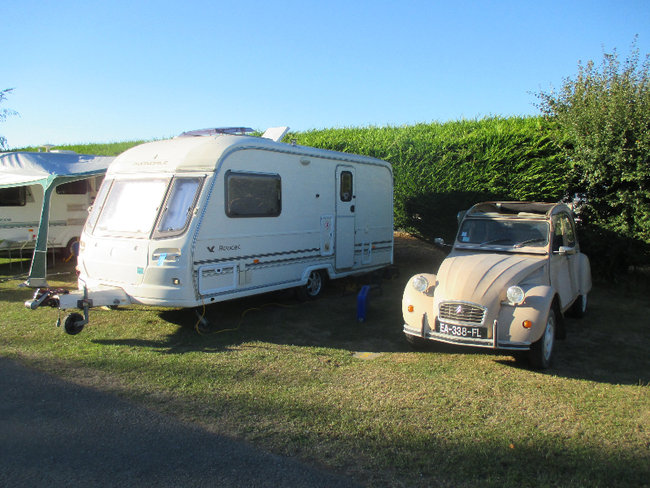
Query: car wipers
x,y
529,241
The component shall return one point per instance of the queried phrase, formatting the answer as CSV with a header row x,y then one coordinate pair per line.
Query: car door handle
x,y
352,208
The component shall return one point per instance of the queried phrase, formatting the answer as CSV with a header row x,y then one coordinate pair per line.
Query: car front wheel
x,y
541,352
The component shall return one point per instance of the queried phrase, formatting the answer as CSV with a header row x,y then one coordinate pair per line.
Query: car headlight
x,y
421,284
515,295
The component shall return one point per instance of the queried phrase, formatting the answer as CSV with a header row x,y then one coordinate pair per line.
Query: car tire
x,y
540,355
313,288
579,307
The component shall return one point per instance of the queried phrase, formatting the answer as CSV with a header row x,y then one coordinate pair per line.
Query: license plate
x,y
462,331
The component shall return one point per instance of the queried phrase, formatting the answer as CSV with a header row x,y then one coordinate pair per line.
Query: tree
x,y
603,117
4,113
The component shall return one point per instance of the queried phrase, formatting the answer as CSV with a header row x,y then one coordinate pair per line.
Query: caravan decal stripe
x,y
258,256
15,225
377,243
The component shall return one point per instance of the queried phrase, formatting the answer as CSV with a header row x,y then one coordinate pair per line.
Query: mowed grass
x,y
288,380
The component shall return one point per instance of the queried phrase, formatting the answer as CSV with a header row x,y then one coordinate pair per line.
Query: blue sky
x,y
87,71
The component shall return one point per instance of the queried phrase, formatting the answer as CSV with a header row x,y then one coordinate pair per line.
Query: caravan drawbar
x,y
200,219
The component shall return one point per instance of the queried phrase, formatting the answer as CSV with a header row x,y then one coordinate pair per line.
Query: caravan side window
x,y
253,195
178,207
97,205
79,187
13,197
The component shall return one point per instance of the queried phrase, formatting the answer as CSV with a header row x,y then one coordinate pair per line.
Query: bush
x,y
4,113
603,120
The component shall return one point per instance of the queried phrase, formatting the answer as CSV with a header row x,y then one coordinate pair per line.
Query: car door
x,y
564,259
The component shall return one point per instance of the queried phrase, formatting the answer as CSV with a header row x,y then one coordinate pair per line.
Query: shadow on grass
x,y
280,318
609,345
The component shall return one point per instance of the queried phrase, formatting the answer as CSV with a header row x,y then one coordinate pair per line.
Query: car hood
x,y
482,277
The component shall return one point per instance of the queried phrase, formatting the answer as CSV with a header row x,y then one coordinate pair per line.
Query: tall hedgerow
x,y
441,168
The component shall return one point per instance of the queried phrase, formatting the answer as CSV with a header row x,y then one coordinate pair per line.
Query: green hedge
x,y
441,168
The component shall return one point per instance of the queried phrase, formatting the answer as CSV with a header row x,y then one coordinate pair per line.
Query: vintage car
x,y
514,270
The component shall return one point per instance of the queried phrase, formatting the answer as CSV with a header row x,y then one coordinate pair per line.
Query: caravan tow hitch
x,y
46,297
49,297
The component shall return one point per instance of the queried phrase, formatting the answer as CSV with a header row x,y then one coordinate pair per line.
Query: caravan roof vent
x,y
239,131
275,133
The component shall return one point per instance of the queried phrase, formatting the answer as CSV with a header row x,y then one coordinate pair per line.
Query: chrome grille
x,y
461,312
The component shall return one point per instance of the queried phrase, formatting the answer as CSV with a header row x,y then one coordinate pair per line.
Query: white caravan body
x,y
197,220
24,179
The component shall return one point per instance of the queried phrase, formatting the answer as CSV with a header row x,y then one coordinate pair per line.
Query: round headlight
x,y
421,284
515,295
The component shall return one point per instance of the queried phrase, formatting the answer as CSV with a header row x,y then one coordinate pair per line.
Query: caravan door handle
x,y
352,208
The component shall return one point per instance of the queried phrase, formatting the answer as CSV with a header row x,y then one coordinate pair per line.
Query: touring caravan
x,y
70,182
201,219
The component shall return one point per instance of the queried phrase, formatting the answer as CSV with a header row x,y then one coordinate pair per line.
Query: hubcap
x,y
549,334
314,283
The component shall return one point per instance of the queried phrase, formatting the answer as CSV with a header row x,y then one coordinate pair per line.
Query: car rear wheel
x,y
541,352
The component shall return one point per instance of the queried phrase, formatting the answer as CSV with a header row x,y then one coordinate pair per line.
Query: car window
x,y
563,232
502,232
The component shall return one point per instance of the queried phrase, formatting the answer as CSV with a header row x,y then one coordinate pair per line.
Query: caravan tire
x,y
313,288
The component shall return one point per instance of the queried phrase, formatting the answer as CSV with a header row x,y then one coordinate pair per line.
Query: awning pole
x,y
38,269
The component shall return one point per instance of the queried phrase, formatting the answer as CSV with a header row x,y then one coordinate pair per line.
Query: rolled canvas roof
x,y
26,168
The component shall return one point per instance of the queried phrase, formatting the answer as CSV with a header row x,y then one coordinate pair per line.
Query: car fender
x,y
585,274
538,301
415,304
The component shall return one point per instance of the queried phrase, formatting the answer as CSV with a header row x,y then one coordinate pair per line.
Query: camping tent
x,y
48,169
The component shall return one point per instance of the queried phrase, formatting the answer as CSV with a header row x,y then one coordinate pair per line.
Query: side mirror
x,y
440,242
564,250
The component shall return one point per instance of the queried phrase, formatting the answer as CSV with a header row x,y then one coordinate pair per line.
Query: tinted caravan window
x,y
13,197
79,187
253,195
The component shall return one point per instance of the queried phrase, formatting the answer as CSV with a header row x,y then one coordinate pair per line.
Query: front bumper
x,y
504,332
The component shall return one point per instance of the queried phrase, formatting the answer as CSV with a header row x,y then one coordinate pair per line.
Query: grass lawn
x,y
289,379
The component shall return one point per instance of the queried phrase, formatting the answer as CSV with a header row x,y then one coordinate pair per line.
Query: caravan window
x,y
178,207
97,205
131,207
13,197
346,186
79,187
253,195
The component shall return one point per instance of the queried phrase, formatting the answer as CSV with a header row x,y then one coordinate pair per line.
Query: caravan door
x,y
345,216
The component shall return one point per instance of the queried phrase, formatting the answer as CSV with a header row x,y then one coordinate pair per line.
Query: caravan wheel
x,y
313,288
73,323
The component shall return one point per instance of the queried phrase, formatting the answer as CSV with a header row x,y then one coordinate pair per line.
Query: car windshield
x,y
503,233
